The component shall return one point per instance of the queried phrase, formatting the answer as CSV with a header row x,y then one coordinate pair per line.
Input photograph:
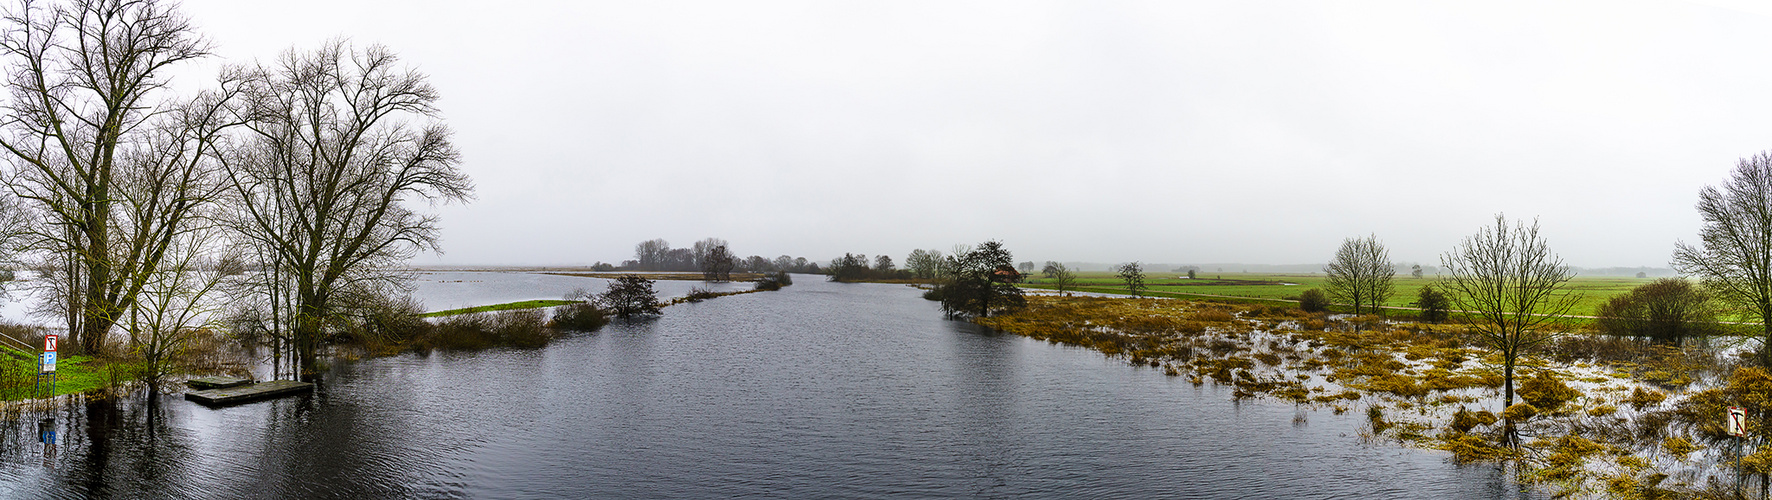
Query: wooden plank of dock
x,y
244,393
216,382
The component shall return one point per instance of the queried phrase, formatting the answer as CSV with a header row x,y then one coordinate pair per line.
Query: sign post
x,y
46,363
1736,425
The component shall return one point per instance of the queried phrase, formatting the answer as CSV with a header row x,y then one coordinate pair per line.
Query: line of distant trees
x,y
713,257
925,265
857,267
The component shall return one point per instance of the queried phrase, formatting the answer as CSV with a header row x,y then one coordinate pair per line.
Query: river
x,y
820,390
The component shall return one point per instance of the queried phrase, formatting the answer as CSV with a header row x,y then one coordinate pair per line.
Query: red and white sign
x,y
49,343
1737,423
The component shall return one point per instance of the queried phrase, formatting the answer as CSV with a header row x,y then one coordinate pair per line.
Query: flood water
x,y
820,390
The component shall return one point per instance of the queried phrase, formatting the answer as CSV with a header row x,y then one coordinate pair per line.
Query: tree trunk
x,y
1766,345
95,321
1510,436
307,335
1508,376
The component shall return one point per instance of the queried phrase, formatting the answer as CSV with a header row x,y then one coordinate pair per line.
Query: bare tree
x,y
1361,275
1510,287
178,299
325,176
758,264
717,264
83,121
700,250
651,253
1133,274
981,280
924,264
1734,256
1063,278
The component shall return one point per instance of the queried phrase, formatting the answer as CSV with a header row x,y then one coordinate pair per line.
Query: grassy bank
x,y
1600,416
508,306
74,375
1594,290
1405,313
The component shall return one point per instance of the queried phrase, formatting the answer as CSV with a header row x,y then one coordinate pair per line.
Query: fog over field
x,y
1187,132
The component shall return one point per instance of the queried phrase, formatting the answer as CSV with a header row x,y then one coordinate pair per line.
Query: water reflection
x,y
820,390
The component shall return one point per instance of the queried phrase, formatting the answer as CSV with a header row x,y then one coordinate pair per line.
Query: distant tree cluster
x,y
979,281
925,264
853,267
775,281
712,257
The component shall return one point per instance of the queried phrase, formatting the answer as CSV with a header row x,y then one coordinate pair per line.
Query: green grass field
x,y
526,304
1593,290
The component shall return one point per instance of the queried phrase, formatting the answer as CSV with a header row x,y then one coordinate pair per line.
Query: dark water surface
x,y
817,391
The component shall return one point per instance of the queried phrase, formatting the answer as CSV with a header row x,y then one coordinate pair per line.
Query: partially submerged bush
x,y
516,328
772,282
630,296
1665,310
583,316
699,294
1313,300
1433,304
388,320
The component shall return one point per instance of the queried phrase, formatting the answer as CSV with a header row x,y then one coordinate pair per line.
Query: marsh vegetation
x,y
1598,414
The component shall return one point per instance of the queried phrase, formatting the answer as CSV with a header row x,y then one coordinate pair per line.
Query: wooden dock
x,y
216,382
245,393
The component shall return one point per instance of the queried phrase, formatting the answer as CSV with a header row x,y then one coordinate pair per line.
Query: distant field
x,y
1594,290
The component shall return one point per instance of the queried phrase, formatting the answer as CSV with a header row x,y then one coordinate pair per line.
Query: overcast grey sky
x,y
1258,132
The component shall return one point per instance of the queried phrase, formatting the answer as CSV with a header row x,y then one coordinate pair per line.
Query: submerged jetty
x,y
216,382
241,393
